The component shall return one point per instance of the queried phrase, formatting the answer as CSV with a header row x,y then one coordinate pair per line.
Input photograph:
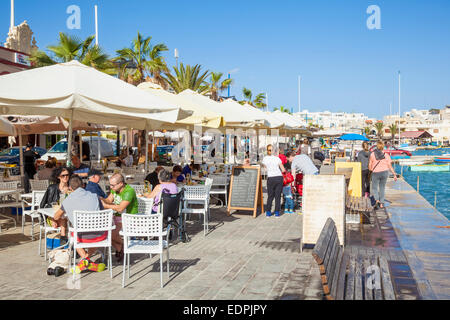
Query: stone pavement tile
x,y
192,292
229,292
251,296
313,293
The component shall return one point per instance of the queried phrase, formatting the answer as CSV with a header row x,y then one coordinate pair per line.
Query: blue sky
x,y
344,66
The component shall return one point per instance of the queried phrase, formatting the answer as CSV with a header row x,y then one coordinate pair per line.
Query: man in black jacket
x,y
29,159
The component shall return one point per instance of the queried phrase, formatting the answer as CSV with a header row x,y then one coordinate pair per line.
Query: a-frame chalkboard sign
x,y
246,189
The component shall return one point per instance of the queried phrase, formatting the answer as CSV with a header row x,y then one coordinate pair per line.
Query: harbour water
x,y
431,184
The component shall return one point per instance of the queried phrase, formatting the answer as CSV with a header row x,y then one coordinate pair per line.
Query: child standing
x,y
288,199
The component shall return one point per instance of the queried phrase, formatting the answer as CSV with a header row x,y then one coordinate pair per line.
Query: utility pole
x,y
399,100
176,56
229,77
12,16
299,101
96,25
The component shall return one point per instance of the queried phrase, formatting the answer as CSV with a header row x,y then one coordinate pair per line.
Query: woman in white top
x,y
274,181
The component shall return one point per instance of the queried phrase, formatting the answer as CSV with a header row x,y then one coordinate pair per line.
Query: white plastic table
x,y
49,212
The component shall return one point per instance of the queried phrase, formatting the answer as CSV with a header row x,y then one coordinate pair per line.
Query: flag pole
x,y
96,25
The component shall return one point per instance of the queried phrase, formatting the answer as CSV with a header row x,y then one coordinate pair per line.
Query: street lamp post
x,y
176,56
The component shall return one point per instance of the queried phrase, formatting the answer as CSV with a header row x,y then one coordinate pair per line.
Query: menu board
x,y
245,189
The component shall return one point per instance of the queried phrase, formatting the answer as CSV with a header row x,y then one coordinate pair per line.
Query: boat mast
x,y
399,139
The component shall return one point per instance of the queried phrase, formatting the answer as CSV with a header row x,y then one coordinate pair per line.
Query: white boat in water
x,y
413,161
407,147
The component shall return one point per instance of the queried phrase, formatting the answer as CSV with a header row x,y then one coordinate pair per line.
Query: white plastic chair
x,y
219,186
128,170
145,205
10,185
92,221
46,228
10,200
138,188
143,226
197,195
39,185
139,177
36,199
97,166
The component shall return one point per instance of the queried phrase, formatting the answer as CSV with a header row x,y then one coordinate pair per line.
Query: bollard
x,y
435,195
417,183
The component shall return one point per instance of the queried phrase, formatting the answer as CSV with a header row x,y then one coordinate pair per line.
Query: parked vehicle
x,y
12,155
393,151
59,150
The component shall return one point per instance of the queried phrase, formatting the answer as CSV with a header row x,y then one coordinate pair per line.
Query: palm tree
x,y
367,131
259,101
187,78
282,109
379,127
215,85
394,129
71,48
247,95
143,58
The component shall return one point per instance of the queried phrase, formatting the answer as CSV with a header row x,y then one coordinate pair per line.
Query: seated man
x,y
129,159
94,177
153,177
122,200
79,168
82,200
188,169
177,177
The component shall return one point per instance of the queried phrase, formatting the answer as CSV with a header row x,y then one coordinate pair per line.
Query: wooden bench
x,y
359,205
345,276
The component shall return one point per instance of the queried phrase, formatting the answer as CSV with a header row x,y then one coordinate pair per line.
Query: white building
x,y
437,123
342,121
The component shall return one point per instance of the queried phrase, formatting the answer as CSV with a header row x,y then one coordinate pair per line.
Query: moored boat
x,y
415,161
431,168
445,158
408,147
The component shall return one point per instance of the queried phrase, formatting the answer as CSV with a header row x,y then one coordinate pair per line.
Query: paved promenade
x,y
426,244
241,258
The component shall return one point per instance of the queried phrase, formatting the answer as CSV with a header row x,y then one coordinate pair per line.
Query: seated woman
x,y
166,185
52,196
47,172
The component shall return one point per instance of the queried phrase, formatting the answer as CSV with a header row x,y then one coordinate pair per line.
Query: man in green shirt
x,y
122,199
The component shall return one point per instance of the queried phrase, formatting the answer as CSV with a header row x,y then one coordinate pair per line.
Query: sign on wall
x,y
22,59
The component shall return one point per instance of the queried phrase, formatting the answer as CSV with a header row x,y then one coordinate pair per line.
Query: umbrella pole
x,y
22,173
69,141
98,147
153,145
81,145
146,151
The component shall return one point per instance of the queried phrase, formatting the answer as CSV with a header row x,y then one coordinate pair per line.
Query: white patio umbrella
x,y
202,114
6,128
43,124
230,114
78,92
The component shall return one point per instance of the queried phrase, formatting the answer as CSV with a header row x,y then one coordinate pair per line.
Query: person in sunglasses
x,y
274,168
56,193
